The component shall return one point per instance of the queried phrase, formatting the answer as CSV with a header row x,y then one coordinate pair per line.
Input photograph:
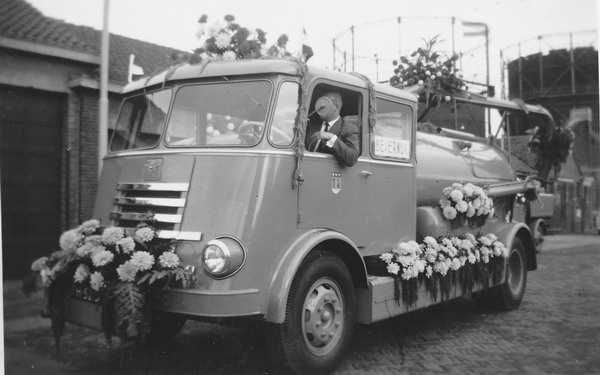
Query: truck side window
x,y
141,121
392,134
282,126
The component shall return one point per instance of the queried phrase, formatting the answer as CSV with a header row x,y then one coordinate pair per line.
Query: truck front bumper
x,y
238,303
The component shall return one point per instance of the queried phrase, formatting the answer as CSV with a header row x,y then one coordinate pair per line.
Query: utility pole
x,y
103,114
377,68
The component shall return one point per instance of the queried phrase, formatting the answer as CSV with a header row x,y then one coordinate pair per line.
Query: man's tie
x,y
324,127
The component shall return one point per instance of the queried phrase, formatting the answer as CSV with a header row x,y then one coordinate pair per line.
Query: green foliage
x,y
130,303
430,70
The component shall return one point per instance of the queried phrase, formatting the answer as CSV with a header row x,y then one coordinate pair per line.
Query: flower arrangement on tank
x,y
466,202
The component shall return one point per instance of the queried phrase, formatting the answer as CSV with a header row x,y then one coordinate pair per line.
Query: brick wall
x,y
80,162
88,153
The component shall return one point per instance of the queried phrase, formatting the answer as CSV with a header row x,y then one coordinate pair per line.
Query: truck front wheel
x,y
320,315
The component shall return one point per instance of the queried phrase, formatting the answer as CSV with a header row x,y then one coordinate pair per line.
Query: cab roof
x,y
229,68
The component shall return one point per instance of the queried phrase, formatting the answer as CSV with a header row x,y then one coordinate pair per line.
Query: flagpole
x,y
352,30
333,53
453,39
399,39
487,73
103,112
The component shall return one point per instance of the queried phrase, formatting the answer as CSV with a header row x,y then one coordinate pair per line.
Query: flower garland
x,y
119,269
438,262
466,201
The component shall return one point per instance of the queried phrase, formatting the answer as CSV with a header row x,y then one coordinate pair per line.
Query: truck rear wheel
x,y
509,295
320,315
512,291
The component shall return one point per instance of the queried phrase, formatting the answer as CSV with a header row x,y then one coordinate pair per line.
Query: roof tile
x,y
21,21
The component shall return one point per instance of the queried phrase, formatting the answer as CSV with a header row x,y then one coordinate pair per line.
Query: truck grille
x,y
159,204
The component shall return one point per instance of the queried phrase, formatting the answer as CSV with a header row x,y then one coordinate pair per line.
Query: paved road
x,y
555,331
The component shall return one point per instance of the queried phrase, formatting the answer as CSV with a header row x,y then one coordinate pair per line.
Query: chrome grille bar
x,y
155,186
165,218
159,203
163,202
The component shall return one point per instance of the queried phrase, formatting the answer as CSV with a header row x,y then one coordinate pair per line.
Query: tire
x,y
163,328
538,229
319,316
513,290
509,295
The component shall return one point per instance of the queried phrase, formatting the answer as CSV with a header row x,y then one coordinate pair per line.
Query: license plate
x,y
84,293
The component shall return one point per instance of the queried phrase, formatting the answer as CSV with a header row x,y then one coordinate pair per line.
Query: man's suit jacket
x,y
346,147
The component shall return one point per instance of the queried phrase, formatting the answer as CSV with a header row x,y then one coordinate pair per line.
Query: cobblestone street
x,y
556,330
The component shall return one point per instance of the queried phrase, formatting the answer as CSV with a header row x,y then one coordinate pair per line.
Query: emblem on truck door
x,y
152,170
336,182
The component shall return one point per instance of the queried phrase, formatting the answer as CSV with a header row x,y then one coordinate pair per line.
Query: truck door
x,y
372,202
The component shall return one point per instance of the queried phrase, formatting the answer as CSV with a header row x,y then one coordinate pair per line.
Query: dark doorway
x,y
30,150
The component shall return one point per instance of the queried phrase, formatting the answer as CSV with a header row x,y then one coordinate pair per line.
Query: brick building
x,y
49,95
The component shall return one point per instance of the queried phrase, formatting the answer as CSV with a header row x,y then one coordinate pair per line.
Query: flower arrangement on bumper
x,y
468,202
109,265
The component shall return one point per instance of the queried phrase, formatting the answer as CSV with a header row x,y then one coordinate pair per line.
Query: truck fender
x,y
287,265
506,233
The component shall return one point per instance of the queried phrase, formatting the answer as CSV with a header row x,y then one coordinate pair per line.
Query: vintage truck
x,y
278,234
537,214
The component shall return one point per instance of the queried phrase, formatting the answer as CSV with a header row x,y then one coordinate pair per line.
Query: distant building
x,y
49,95
565,81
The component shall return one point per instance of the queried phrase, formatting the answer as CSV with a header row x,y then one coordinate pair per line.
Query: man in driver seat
x,y
333,135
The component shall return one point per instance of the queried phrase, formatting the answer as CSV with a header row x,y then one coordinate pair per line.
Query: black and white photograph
x,y
257,187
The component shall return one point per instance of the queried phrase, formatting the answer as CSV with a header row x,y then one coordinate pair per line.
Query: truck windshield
x,y
141,121
219,114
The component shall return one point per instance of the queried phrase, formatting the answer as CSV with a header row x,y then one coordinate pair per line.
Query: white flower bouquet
x,y
231,41
114,268
466,201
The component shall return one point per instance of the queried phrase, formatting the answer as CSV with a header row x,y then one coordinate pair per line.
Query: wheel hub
x,y
515,272
323,316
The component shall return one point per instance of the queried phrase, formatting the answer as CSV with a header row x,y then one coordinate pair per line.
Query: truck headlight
x,y
223,257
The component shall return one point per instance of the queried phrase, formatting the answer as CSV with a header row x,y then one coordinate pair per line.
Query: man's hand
x,y
325,136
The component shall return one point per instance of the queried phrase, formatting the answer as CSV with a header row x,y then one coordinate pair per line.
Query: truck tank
x,y
446,157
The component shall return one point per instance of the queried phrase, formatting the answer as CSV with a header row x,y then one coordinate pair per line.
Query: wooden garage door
x,y
30,148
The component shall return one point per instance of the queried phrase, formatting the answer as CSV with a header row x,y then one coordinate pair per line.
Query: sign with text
x,y
393,148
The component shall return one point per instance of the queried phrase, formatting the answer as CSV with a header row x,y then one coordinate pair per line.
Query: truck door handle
x,y
366,173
